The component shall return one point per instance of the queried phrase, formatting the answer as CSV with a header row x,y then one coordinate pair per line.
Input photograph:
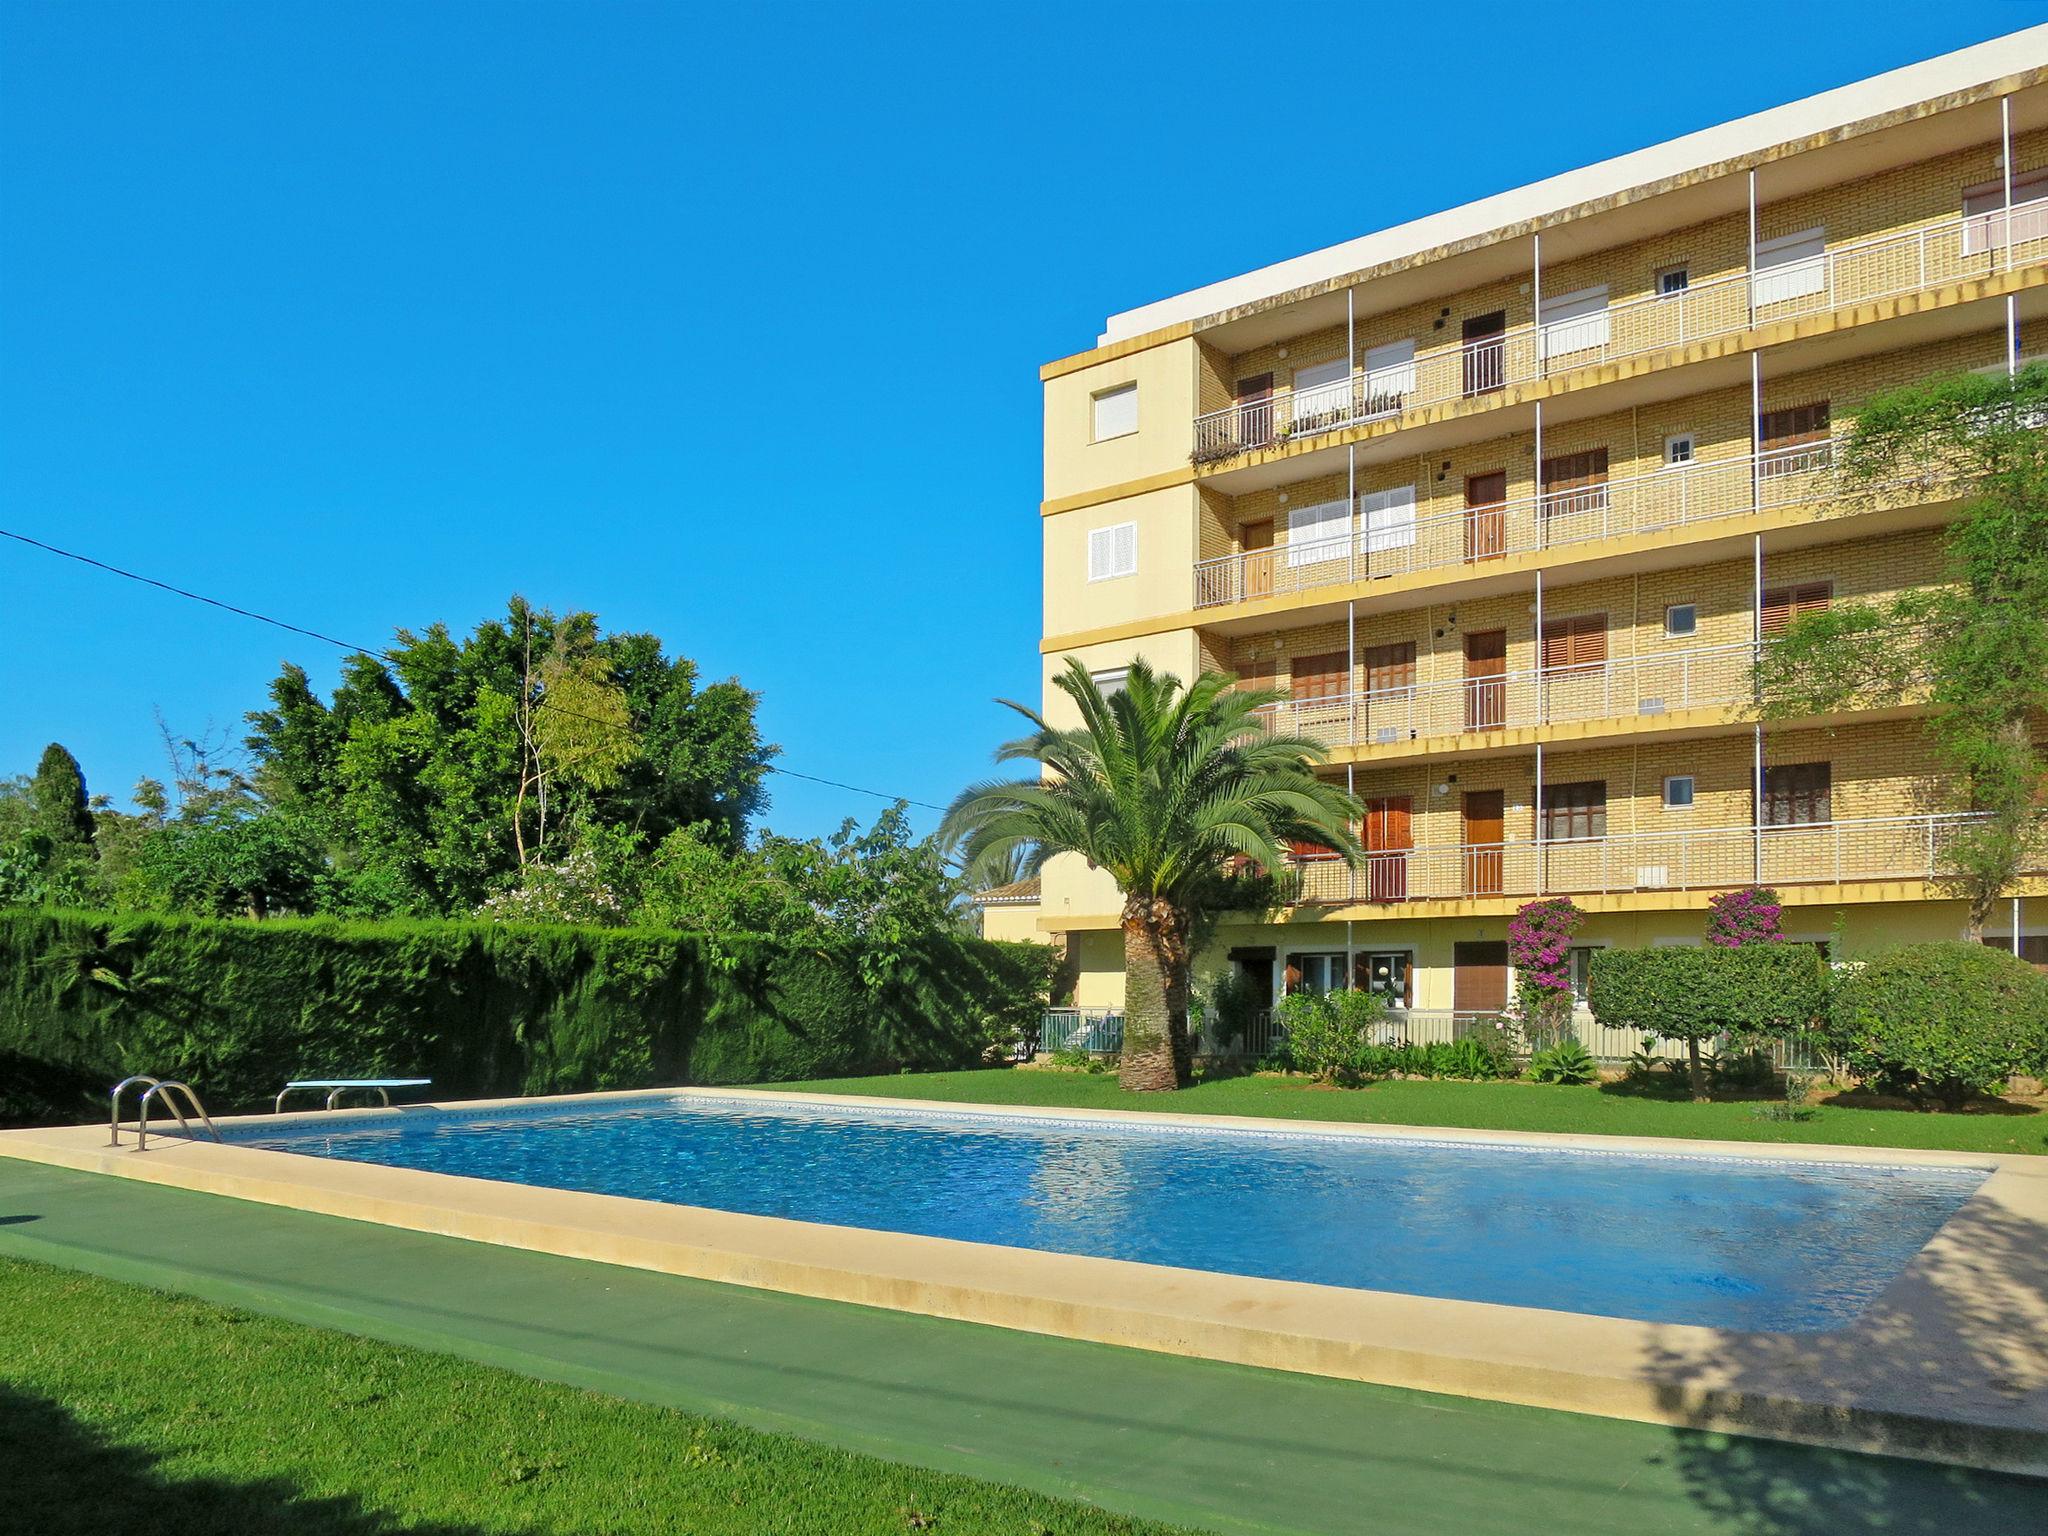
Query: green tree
x,y
1976,646
1172,790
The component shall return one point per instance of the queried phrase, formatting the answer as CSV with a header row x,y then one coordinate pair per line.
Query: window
x,y
1319,533
1110,680
1389,976
1577,644
1574,322
1682,619
1797,795
1575,482
1794,439
1574,812
1579,966
1790,267
1113,552
1672,281
1389,375
2033,947
1678,792
1317,677
1680,448
1322,394
1984,212
1784,604
1389,669
1389,519
1316,973
1116,412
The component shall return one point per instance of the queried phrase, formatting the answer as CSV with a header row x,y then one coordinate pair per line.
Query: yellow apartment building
x,y
1505,500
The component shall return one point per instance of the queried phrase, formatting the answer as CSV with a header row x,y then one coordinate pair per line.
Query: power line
x,y
384,655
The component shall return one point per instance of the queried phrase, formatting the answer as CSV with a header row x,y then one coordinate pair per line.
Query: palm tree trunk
x,y
1155,996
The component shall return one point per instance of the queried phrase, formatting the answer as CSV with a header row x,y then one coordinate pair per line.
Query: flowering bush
x,y
1750,916
1539,948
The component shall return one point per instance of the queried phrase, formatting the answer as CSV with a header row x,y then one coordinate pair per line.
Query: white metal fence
x,y
1670,496
1786,285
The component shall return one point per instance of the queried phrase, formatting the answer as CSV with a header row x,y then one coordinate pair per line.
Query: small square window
x,y
1113,552
1678,448
1678,792
1671,280
1116,412
1110,680
1682,619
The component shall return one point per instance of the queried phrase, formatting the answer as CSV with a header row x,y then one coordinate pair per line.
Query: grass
x,y
128,1409
1605,1110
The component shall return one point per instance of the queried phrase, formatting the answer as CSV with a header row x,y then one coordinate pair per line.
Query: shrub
x,y
1754,915
1564,1061
1748,993
1942,1021
485,1009
1233,1002
1329,1034
1539,949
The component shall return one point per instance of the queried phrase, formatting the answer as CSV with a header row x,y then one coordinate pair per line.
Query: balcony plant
x,y
1186,799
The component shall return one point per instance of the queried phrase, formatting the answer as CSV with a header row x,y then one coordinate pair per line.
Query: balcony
x,y
1798,282
1622,687
1705,858
1668,497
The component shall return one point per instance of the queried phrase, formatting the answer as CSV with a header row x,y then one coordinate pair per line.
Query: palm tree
x,y
1175,792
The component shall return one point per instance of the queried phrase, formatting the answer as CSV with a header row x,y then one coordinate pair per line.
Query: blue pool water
x,y
1778,1246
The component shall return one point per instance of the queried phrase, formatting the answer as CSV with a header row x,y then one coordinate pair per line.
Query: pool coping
x,y
1946,1365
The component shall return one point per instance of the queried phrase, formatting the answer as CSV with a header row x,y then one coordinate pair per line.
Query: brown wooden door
x,y
1258,558
1486,682
1263,675
1485,352
1485,828
1389,835
1486,515
1479,976
1255,410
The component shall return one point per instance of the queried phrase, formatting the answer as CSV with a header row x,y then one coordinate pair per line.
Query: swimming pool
x,y
1762,1245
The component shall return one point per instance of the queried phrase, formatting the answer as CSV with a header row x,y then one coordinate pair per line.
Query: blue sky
x,y
723,322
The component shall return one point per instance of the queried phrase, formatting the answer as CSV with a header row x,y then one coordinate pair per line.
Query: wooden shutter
x,y
1317,677
1390,668
1784,604
1569,479
1794,425
1576,644
1574,810
1798,795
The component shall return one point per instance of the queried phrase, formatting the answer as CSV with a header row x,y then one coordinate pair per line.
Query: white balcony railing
x,y
1852,273
1670,496
1825,853
1622,687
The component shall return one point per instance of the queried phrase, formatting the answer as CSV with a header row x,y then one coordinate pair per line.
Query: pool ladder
x,y
169,1089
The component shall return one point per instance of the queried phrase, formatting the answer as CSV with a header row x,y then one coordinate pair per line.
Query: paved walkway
x,y
1218,1446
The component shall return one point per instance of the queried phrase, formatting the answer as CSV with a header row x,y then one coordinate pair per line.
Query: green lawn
x,y
1600,1111
123,1409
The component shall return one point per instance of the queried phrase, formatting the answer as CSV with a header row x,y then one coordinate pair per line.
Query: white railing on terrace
x,y
1853,273
1670,496
1828,853
1100,1031
1647,684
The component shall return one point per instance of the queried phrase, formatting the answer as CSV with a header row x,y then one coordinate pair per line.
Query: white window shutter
x,y
1124,552
1322,390
1099,540
1319,533
1790,266
1389,370
1575,322
1116,412
1389,519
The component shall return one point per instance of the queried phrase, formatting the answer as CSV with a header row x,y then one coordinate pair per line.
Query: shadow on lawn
x,y
59,1477
1957,1336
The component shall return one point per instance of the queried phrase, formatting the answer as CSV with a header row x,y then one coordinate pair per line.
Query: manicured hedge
x,y
1687,992
236,1008
1944,1020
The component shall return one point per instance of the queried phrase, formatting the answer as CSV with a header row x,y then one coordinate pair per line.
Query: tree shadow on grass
x,y
1953,1347
59,1477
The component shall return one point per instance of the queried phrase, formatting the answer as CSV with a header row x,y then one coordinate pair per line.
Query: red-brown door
x,y
1485,828
1258,558
1255,410
1479,976
1486,515
1486,352
1389,835
1486,681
